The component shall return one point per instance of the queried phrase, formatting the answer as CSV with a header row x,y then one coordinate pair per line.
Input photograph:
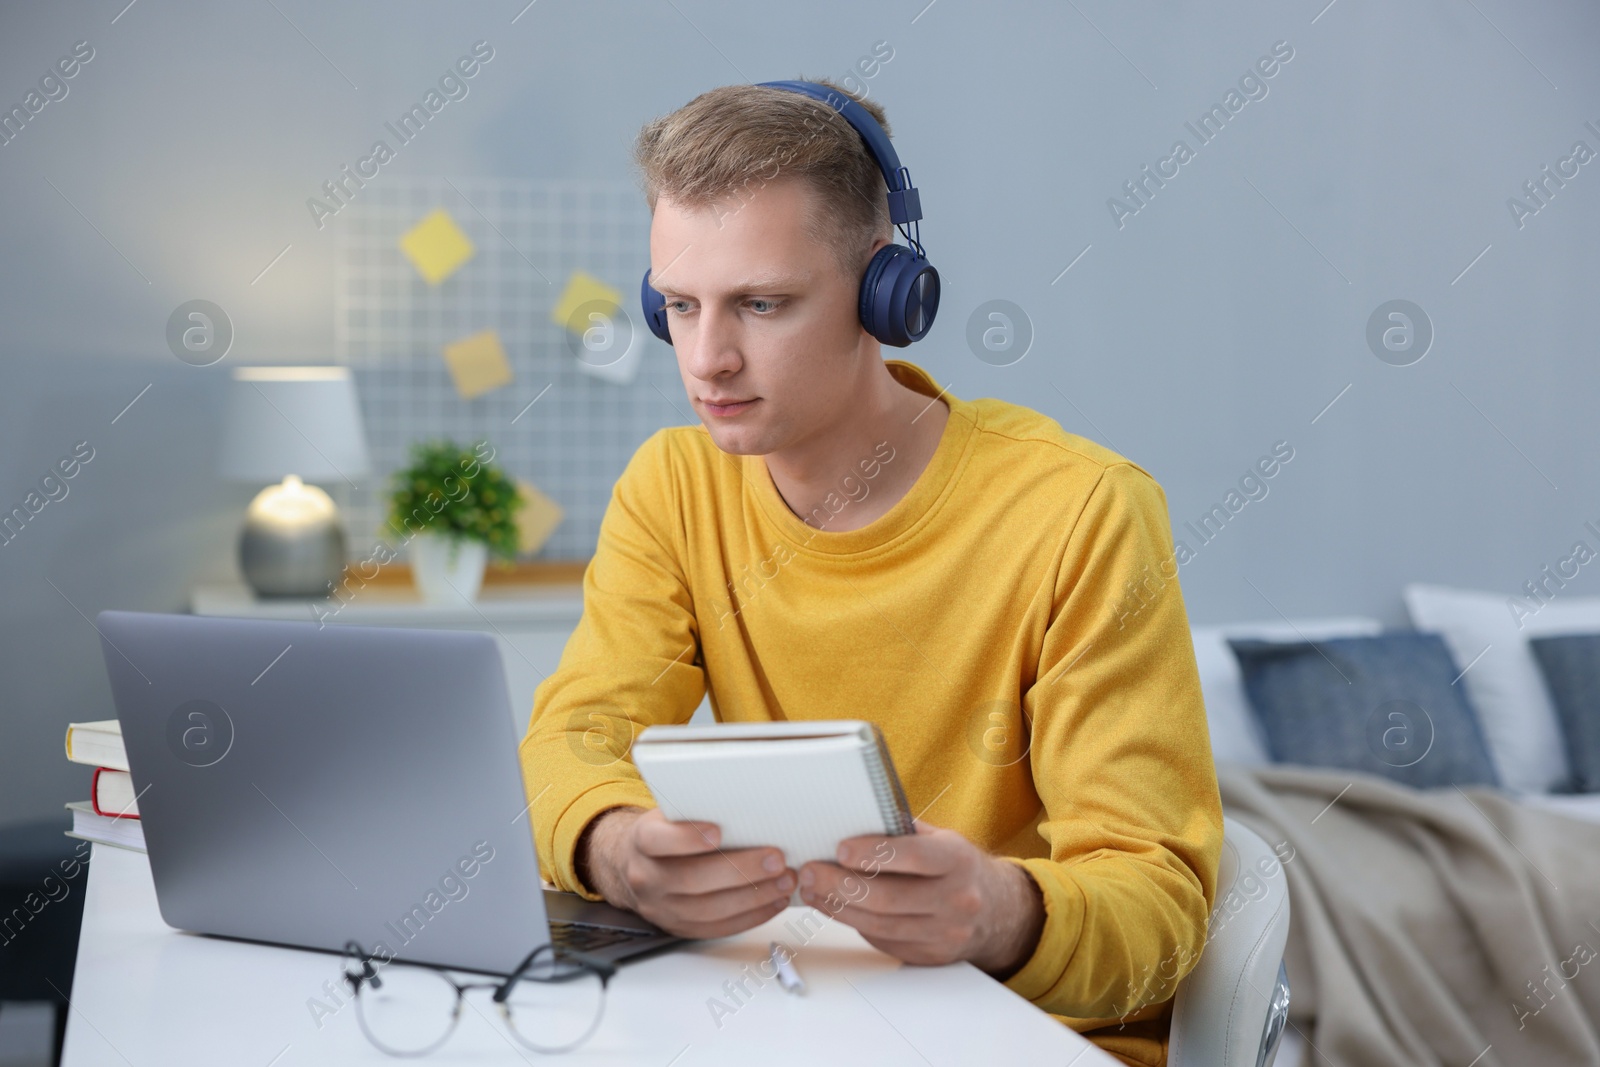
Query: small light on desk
x,y
301,424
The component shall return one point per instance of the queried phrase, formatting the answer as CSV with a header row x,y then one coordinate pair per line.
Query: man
x,y
841,538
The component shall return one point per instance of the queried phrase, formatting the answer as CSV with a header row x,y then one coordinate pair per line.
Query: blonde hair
x,y
730,141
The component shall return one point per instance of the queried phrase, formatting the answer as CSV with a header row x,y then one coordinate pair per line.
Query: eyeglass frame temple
x,y
369,973
602,968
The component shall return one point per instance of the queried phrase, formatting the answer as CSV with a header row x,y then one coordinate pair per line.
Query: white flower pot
x,y
447,570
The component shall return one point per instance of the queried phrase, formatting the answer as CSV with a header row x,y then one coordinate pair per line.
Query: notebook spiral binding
x,y
886,787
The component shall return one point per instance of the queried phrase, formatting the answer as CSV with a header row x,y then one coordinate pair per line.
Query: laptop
x,y
309,785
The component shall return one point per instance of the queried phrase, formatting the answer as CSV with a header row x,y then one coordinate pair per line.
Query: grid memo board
x,y
391,325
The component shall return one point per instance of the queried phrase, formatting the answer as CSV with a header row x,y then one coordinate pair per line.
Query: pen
x,y
788,977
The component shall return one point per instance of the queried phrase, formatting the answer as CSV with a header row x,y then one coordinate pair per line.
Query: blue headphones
x,y
900,290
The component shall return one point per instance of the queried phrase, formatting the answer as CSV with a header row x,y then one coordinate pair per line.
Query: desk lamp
x,y
300,424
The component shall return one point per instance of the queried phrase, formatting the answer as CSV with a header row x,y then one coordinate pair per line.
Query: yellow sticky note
x,y
583,289
436,246
537,518
478,364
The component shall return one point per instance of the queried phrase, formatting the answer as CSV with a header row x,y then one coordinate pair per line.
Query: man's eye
x,y
674,306
769,305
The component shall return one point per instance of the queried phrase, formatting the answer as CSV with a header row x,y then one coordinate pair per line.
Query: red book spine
x,y
94,797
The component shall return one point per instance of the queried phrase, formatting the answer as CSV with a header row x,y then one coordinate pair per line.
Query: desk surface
x,y
147,994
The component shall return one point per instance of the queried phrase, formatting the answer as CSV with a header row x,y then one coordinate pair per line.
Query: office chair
x,y
1230,1010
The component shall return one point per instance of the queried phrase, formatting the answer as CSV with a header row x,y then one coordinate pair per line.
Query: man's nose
x,y
714,348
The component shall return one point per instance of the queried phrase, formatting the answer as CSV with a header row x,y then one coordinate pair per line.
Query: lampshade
x,y
292,420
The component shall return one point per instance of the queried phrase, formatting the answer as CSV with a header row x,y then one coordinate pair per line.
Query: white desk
x,y
145,994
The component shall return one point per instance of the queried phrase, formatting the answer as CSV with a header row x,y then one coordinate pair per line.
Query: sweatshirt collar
x,y
930,491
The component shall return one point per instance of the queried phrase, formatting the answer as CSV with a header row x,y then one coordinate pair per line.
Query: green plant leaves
x,y
455,492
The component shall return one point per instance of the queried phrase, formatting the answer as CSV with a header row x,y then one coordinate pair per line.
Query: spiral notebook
x,y
802,787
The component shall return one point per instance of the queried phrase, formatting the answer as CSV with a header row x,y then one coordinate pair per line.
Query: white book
x,y
87,825
98,744
801,787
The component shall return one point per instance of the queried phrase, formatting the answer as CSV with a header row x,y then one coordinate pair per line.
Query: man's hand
x,y
931,898
673,873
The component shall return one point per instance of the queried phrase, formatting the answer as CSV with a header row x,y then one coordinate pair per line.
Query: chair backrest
x,y
1230,1010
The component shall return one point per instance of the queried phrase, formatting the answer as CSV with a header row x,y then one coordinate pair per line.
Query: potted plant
x,y
454,508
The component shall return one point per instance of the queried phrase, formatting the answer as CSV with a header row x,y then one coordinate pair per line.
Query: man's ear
x,y
861,267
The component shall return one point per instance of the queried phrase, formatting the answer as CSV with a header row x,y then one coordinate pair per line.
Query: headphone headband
x,y
905,203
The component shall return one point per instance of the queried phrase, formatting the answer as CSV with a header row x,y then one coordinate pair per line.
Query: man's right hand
x,y
675,875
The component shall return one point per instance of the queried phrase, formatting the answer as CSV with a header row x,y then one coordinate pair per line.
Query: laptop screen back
x,y
308,786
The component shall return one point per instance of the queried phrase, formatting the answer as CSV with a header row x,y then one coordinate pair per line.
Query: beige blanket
x,y
1451,927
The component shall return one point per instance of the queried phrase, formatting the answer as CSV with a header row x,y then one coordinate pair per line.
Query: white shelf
x,y
530,624
520,607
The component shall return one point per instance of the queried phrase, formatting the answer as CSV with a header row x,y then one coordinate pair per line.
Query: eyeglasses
x,y
551,1003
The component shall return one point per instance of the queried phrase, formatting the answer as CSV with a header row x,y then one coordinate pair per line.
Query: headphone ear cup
x,y
655,309
869,288
899,296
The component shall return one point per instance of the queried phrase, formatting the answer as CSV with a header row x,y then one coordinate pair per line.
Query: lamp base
x,y
293,543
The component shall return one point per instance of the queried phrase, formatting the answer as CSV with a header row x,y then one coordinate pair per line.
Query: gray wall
x,y
1222,317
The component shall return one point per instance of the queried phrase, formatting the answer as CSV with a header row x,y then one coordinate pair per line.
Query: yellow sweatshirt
x,y
1013,625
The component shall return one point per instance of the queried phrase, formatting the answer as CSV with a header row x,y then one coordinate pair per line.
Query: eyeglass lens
x,y
556,1006
410,1012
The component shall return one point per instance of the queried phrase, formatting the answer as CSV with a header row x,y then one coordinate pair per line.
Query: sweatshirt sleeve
x,y
632,662
1121,758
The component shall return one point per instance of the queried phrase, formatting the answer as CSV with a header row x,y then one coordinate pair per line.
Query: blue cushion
x,y
1383,704
1571,667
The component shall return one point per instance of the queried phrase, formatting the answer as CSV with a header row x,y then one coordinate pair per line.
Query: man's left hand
x,y
932,897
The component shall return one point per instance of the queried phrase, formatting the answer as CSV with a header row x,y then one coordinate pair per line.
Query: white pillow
x,y
1505,685
1235,734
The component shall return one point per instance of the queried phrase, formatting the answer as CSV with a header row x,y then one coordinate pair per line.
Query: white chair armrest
x,y
1230,1010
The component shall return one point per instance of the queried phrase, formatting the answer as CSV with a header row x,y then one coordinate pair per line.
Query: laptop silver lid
x,y
307,786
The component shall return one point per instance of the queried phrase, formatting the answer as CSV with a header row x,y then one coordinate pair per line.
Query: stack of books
x,y
111,814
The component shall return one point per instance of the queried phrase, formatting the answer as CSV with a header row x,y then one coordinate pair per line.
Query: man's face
x,y
759,312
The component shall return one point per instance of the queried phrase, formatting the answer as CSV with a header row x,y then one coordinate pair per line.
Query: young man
x,y
841,538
